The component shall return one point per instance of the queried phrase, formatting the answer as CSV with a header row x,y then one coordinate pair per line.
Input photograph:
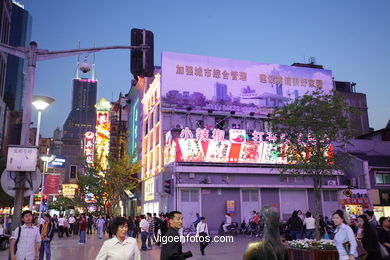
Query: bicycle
x,y
190,230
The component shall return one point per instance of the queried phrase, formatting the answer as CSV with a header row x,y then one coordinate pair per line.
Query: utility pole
x,y
32,54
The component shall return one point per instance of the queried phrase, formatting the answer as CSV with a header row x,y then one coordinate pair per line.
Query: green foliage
x,y
62,204
312,126
109,185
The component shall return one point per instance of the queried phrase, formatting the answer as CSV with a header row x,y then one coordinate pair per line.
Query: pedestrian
x,y
136,227
228,222
197,220
309,223
384,235
100,226
157,225
72,222
61,226
25,239
172,249
144,227
76,226
108,227
164,224
120,247
371,218
47,232
344,238
295,224
151,229
130,227
83,228
369,238
202,231
89,224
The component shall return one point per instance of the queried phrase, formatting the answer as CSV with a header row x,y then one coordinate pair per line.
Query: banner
x,y
52,184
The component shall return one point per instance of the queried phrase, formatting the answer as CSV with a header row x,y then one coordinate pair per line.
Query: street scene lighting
x,y
41,102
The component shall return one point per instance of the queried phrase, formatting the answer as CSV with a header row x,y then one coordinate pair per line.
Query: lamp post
x,y
40,103
46,159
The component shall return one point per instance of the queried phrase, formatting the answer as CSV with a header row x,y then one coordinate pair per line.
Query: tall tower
x,y
81,119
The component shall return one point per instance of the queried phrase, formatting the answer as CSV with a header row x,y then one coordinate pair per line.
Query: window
x,y
382,178
329,195
199,124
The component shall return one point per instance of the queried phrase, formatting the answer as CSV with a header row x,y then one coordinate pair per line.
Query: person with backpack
x,y
47,232
25,239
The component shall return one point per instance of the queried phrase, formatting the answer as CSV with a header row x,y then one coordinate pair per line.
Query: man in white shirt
x,y
71,223
26,239
310,224
228,222
203,230
144,226
61,226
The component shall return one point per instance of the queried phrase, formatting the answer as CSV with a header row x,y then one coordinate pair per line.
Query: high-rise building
x,y
5,21
20,35
81,119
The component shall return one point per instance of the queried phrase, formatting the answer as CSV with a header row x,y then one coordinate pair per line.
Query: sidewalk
x,y
70,249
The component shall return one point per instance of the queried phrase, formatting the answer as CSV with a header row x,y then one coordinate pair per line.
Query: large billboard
x,y
217,84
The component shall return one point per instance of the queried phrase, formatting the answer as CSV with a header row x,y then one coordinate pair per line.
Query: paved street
x,y
70,249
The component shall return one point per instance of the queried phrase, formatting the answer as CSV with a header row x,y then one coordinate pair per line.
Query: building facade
x,y
206,145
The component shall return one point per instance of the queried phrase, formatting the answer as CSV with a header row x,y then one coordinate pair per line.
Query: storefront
x,y
382,209
356,203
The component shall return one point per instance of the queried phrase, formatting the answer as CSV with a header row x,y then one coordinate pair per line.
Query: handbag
x,y
383,250
360,249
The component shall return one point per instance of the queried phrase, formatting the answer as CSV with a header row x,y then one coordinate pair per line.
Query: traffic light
x,y
73,171
44,200
142,65
167,186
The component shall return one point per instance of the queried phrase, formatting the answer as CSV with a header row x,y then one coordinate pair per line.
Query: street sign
x,y
347,192
22,158
32,182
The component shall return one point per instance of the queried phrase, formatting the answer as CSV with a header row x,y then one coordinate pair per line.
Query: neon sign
x,y
103,132
89,148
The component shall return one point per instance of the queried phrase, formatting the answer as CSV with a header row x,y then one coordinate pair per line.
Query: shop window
x,y
250,195
382,178
185,195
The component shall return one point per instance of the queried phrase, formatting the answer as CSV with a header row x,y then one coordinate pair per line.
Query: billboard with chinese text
x,y
209,83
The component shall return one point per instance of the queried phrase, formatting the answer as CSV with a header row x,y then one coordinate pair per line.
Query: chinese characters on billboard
x,y
209,83
89,147
259,147
103,132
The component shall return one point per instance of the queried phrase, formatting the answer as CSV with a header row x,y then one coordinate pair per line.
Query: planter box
x,y
315,254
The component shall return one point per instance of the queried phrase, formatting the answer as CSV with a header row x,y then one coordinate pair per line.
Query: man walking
x,y
71,223
47,232
100,226
89,224
61,226
173,250
25,240
144,226
151,230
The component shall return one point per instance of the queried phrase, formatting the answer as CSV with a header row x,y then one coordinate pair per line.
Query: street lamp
x,y
46,159
40,103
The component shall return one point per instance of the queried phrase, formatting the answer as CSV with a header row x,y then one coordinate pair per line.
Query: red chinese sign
x,y
89,145
52,183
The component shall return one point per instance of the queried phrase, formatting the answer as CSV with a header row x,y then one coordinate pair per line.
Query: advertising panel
x,y
57,162
69,190
52,184
217,84
103,126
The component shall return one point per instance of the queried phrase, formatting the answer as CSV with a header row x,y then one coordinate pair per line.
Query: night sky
x,y
351,38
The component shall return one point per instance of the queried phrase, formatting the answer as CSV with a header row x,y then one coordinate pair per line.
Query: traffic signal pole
x,y
32,54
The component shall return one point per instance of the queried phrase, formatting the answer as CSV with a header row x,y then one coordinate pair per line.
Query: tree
x,y
109,185
61,204
309,128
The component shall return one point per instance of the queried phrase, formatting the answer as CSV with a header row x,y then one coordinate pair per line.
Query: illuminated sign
x,y
69,190
90,198
149,189
210,83
103,132
262,149
57,162
134,130
89,141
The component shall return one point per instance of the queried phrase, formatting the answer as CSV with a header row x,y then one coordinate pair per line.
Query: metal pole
x,y
43,187
25,135
38,127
